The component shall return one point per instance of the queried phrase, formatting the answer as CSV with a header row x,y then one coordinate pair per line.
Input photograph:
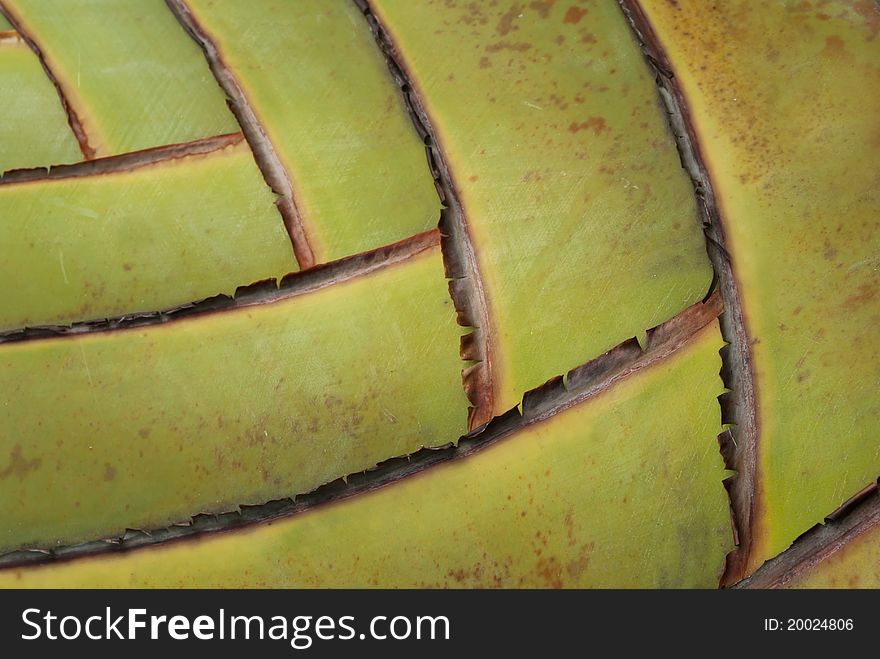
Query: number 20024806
x,y
809,624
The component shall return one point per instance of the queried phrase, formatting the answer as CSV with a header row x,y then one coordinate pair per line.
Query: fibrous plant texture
x,y
439,293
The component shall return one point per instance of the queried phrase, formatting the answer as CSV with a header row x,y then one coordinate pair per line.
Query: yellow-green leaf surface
x,y
621,490
143,427
583,221
154,237
324,96
34,130
4,24
855,565
785,100
131,74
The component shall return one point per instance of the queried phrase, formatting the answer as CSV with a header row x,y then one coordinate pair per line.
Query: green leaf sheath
x,y
785,103
143,427
129,71
582,220
165,234
34,131
621,490
322,92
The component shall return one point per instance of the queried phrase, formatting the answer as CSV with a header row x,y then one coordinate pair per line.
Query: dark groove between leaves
x,y
123,162
557,395
264,152
465,285
856,516
739,445
76,126
263,292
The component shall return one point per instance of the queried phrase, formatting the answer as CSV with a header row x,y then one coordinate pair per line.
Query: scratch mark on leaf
x,y
63,270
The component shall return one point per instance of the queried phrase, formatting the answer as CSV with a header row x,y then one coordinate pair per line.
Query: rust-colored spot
x,y
109,472
870,11
568,522
834,45
473,178
519,46
459,575
596,123
587,37
574,15
577,566
485,63
550,571
829,253
505,25
18,466
866,293
126,267
543,7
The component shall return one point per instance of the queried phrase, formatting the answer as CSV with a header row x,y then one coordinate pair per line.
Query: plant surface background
x,y
439,293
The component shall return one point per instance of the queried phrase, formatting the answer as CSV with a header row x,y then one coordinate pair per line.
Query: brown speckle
x,y
866,293
596,123
507,45
574,15
834,45
550,571
18,466
871,13
543,7
587,37
505,25
829,253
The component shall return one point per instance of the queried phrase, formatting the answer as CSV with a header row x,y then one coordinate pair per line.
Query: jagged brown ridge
x,y
739,407
72,118
583,382
263,292
123,162
858,514
264,152
465,283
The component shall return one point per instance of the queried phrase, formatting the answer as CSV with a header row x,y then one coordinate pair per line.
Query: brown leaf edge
x,y
557,395
459,258
858,514
738,443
